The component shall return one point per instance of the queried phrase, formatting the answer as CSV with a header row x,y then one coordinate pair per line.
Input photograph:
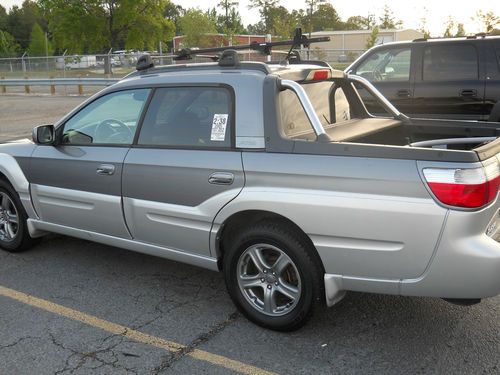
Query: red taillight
x,y
468,188
319,75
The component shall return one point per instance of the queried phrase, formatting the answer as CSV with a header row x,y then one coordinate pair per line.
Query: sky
x,y
411,12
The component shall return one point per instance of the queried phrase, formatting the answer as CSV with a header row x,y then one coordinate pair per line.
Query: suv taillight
x,y
468,188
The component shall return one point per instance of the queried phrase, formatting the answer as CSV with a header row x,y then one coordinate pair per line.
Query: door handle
x,y
221,178
106,169
468,93
403,93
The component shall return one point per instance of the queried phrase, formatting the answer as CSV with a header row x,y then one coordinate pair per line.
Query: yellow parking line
x,y
118,329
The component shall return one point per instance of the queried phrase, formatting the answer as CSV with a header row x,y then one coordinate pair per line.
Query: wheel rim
x,y
9,218
269,279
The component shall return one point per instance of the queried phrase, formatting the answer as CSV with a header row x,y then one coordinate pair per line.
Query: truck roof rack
x,y
263,48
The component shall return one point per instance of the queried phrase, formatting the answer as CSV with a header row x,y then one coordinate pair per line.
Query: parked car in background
x,y
80,62
436,78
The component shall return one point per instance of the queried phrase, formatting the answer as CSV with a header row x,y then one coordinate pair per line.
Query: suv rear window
x,y
188,116
450,63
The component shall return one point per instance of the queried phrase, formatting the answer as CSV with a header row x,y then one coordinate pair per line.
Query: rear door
x,y
183,168
492,90
389,70
449,82
77,183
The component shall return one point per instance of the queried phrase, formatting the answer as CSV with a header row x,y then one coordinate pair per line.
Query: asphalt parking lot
x,y
70,306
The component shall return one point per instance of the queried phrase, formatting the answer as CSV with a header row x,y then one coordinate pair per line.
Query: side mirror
x,y
44,135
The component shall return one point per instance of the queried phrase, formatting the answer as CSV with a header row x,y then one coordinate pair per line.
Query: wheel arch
x,y
241,219
11,172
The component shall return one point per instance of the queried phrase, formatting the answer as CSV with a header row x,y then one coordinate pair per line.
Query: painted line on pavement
x,y
130,333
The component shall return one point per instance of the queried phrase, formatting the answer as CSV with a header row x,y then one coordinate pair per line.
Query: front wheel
x,y
14,236
273,276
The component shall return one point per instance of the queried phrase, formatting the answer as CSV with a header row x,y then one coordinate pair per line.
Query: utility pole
x,y
312,4
46,52
228,6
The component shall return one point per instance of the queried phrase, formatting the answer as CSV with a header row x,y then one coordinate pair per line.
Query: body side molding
x,y
210,263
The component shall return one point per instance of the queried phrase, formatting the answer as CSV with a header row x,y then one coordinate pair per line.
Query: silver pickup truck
x,y
275,175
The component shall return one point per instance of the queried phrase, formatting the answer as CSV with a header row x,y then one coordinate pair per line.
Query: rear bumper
x,y
465,263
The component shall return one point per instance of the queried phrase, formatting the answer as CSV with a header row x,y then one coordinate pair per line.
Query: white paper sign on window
x,y
219,125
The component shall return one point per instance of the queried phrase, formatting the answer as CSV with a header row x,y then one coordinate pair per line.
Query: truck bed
x,y
390,138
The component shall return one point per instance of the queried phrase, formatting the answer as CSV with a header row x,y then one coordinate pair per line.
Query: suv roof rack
x,y
231,58
475,36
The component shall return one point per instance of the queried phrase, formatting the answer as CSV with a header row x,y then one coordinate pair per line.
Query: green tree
x,y
3,18
230,15
173,13
195,25
265,8
8,45
326,18
423,25
388,21
20,21
460,30
39,44
450,27
372,39
98,25
489,20
360,23
256,28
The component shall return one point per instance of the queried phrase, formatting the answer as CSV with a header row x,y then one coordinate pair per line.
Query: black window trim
x,y
232,118
60,128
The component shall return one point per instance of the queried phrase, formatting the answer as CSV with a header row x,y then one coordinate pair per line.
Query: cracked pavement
x,y
363,334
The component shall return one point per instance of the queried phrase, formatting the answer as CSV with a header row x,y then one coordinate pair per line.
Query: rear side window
x,y
450,63
188,116
497,50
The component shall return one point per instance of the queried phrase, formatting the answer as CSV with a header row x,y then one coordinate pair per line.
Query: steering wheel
x,y
377,76
112,131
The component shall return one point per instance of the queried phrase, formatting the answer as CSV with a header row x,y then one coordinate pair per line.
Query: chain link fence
x,y
118,64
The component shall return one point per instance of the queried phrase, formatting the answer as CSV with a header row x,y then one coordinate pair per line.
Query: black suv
x,y
438,78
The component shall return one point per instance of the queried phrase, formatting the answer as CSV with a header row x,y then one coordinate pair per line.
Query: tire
x,y
14,235
283,300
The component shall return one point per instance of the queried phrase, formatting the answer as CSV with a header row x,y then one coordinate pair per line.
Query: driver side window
x,y
111,119
387,65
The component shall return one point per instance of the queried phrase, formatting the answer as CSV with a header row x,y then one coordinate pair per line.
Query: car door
x,y
77,182
183,168
389,70
492,90
449,81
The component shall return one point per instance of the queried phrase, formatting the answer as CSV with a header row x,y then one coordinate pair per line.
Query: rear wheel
x,y
14,234
273,276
